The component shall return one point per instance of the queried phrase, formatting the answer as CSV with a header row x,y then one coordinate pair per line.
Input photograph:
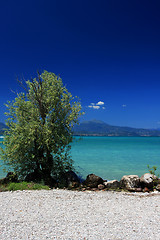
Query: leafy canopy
x,y
40,122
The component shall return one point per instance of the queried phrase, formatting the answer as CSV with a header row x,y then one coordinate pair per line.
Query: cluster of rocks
x,y
146,183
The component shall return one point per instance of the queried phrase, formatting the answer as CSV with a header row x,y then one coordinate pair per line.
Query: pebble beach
x,y
64,214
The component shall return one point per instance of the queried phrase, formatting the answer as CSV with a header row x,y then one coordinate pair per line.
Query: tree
x,y
40,122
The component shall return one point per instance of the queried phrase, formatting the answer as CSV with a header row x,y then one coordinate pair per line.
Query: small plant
x,y
152,170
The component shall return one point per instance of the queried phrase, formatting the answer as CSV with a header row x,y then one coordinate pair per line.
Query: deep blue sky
x,y
105,51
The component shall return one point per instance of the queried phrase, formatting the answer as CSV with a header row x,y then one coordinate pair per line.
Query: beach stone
x,y
130,182
101,186
146,189
158,187
93,181
93,189
139,189
70,179
147,180
114,184
105,181
74,184
156,181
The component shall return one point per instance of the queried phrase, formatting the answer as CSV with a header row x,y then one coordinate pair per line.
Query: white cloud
x,y
100,103
96,107
124,105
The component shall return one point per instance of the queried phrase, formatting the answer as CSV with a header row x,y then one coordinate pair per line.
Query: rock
x,y
139,189
50,181
156,181
10,177
130,182
70,179
101,186
146,189
93,181
74,184
147,180
93,189
81,185
158,187
114,184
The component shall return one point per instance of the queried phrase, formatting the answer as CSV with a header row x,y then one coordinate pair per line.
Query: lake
x,y
113,157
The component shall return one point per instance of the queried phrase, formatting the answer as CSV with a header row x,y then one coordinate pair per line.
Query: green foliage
x,y
152,170
40,123
26,186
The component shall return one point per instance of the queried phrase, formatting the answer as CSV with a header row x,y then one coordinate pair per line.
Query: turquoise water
x,y
113,157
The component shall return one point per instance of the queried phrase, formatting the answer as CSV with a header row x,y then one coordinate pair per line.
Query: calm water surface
x,y
113,157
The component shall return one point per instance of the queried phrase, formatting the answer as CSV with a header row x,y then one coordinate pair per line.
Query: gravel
x,y
63,214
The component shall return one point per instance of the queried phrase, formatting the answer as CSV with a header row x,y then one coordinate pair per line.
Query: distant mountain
x,y
2,127
100,128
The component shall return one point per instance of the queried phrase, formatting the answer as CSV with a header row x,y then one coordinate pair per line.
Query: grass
x,y
22,186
